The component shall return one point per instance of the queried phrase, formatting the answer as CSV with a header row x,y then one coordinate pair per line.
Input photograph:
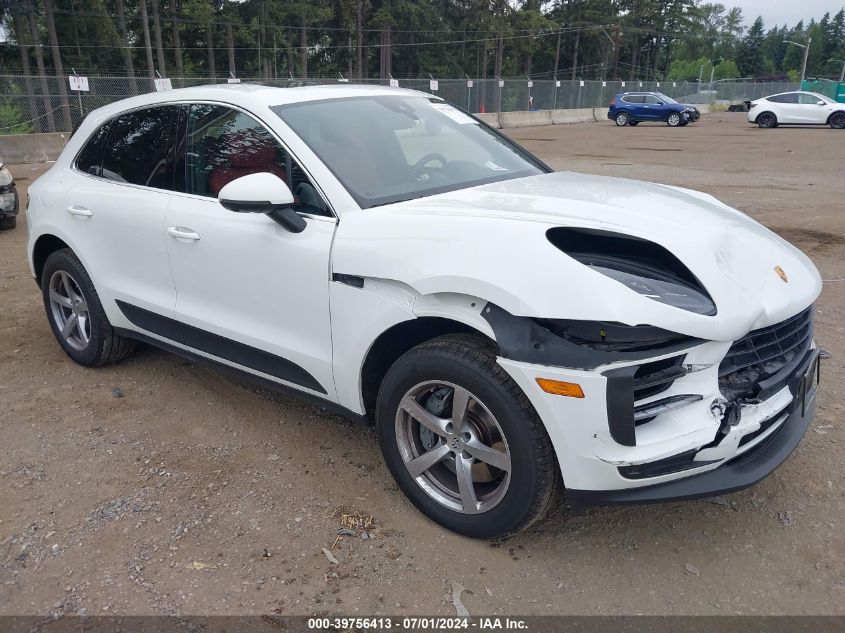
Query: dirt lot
x,y
193,494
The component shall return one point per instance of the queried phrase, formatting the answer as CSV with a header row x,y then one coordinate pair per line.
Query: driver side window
x,y
224,144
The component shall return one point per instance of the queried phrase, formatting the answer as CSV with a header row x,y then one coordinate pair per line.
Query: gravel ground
x,y
157,486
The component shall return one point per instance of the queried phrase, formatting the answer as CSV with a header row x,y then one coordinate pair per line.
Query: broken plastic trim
x,y
578,344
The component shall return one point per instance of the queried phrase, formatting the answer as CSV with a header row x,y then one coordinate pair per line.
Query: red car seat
x,y
250,154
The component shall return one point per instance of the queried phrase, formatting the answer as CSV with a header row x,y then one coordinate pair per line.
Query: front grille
x,y
762,354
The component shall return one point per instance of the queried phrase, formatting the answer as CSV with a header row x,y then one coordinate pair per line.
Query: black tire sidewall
x,y
65,260
767,120
669,120
620,115
510,513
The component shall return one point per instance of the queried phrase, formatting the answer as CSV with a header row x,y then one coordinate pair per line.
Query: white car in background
x,y
506,328
796,108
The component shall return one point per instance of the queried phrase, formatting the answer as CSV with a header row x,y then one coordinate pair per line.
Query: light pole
x,y
842,74
806,48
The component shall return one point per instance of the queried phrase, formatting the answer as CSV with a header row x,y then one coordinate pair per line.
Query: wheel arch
x,y
44,246
833,114
395,341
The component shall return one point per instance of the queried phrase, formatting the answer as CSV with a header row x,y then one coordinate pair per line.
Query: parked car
x,y
8,199
796,108
507,329
632,108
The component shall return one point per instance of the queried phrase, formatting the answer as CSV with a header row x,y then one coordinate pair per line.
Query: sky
x,y
779,12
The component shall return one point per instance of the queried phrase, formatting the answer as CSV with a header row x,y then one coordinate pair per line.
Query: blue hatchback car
x,y
631,108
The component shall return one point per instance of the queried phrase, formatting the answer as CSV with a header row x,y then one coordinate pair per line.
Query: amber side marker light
x,y
560,388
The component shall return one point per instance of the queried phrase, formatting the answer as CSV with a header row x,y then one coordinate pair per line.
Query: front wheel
x,y
622,119
837,121
462,440
674,119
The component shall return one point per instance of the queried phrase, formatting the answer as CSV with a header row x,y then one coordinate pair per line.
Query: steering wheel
x,y
417,170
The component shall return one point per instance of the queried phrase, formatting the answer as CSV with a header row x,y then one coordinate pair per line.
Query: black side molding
x,y
220,346
349,280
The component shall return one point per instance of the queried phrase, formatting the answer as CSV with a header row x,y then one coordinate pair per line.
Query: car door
x,y
122,181
788,109
249,292
637,106
652,108
810,110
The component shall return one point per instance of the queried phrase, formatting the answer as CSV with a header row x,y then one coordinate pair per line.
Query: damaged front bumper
x,y
683,424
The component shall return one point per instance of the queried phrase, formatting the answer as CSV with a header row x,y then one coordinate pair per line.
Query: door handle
x,y
83,212
181,233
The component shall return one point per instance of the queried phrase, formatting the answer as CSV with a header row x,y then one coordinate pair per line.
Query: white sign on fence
x,y
658,84
501,83
674,85
394,83
163,85
557,83
604,84
623,84
79,84
581,83
530,84
641,84
233,80
433,85
469,83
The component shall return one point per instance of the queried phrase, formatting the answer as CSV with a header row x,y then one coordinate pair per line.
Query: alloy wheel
x,y
453,447
70,310
837,121
674,120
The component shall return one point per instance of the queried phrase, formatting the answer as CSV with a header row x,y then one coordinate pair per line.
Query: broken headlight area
x,y
642,266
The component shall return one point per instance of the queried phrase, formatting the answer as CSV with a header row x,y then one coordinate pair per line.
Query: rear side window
x,y
141,148
787,98
634,98
90,159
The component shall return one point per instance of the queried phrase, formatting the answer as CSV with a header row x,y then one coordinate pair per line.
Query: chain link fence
x,y
33,104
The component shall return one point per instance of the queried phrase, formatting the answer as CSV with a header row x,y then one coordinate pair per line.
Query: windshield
x,y
387,149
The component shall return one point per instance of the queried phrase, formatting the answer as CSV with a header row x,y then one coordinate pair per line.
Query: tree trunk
x,y
177,42
359,69
230,44
575,54
57,64
635,57
145,24
303,48
162,66
127,52
42,73
350,62
209,38
20,35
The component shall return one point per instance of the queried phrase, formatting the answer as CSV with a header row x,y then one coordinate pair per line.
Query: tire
x,y
634,123
498,415
622,119
8,223
837,121
674,119
90,340
767,120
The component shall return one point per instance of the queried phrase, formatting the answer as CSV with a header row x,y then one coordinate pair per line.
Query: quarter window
x,y
140,148
90,159
224,144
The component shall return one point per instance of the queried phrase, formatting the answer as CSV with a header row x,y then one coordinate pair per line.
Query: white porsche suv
x,y
507,329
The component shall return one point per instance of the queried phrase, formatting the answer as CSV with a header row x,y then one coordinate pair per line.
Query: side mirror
x,y
262,193
819,102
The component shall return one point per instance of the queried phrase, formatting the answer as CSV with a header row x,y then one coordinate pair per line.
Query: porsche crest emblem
x,y
782,274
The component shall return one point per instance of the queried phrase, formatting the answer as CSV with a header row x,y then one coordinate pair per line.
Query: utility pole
x,y
806,48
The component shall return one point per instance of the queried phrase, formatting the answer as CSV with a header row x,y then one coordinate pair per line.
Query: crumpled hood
x,y
489,242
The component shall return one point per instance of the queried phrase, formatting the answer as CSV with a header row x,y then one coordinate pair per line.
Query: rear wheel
x,y
837,121
622,119
462,440
76,315
767,120
674,119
